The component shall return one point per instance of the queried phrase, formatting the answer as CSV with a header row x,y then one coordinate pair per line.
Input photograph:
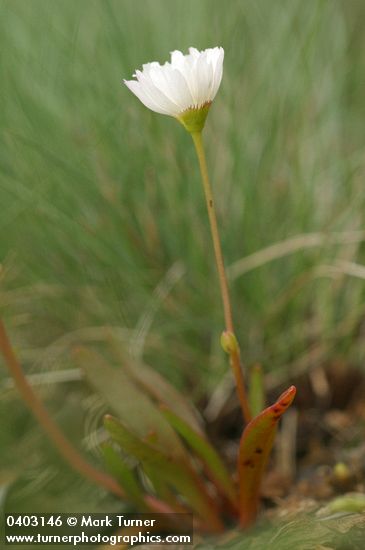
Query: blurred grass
x,y
100,197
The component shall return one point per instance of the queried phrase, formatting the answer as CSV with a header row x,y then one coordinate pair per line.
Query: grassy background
x,y
102,214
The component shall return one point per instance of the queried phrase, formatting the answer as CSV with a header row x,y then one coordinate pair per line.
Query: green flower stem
x,y
233,353
69,453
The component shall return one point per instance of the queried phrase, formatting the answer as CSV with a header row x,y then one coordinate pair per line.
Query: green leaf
x,y
122,473
162,489
207,454
177,474
256,390
129,403
256,443
352,502
162,391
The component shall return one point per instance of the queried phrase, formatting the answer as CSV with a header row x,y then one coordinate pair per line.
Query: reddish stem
x,y
64,447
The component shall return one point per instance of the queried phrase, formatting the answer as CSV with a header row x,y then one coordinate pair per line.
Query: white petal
x,y
175,87
194,53
138,91
218,71
177,59
157,96
188,71
204,76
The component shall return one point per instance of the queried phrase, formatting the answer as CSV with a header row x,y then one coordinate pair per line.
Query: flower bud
x,y
229,342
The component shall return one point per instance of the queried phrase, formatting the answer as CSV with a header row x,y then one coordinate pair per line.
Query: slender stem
x,y
198,142
234,355
69,453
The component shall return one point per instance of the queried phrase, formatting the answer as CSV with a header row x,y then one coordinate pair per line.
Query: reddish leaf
x,y
256,443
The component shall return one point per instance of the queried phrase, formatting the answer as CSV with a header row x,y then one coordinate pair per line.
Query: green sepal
x,y
193,120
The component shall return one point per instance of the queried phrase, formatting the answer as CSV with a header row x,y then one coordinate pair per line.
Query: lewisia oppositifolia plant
x,y
155,426
185,88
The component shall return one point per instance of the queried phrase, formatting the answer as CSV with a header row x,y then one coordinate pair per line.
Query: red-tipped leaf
x,y
256,443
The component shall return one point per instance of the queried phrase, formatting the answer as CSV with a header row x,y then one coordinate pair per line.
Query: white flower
x,y
188,82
